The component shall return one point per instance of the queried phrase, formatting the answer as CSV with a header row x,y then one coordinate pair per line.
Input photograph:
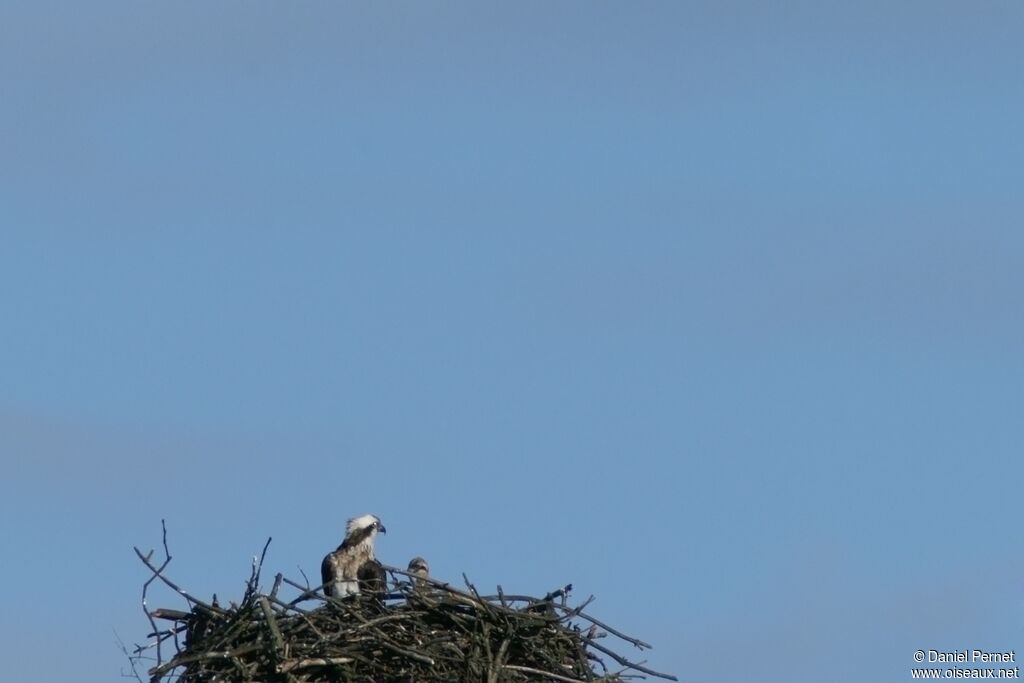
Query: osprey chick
x,y
419,568
352,568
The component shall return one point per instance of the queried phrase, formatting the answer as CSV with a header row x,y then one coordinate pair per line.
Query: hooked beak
x,y
381,529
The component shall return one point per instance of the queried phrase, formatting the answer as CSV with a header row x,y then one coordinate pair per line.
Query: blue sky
x,y
713,310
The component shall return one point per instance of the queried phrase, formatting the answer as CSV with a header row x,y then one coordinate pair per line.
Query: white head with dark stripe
x,y
362,531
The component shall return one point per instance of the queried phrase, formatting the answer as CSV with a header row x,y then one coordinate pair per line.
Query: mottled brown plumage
x,y
352,569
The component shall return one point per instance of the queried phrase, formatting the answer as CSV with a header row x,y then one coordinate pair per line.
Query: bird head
x,y
418,565
364,525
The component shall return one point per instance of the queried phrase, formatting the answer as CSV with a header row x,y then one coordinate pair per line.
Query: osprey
x,y
419,569
352,568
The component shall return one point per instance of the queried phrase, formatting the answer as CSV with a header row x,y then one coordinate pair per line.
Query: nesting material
x,y
422,630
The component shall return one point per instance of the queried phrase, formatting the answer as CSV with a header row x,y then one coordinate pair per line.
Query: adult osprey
x,y
352,568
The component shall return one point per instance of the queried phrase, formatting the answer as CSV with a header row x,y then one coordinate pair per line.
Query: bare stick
x,y
173,586
275,632
626,663
639,643
542,674
293,664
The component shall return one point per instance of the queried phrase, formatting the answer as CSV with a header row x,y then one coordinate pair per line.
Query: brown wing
x,y
372,580
327,573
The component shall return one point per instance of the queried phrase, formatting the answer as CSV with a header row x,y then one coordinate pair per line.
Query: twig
x,y
131,659
145,586
306,578
542,674
639,643
625,662
275,632
499,660
173,586
159,671
294,664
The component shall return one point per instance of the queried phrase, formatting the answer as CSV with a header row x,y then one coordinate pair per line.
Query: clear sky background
x,y
712,309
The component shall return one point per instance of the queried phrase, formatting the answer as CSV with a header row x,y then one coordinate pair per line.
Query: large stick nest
x,y
423,630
